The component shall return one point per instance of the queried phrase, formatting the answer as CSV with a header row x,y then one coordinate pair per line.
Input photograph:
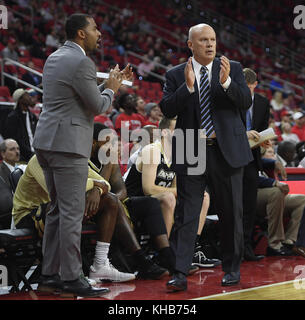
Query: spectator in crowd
x,y
299,127
275,84
21,124
153,113
31,77
290,102
10,50
140,107
286,153
144,25
145,67
52,40
10,154
300,147
277,104
274,203
129,120
287,135
105,119
302,103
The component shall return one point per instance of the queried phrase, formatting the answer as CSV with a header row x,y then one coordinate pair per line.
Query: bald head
x,y
10,151
198,28
202,43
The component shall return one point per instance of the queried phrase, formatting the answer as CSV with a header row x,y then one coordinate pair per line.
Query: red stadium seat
x,y
5,92
145,84
39,63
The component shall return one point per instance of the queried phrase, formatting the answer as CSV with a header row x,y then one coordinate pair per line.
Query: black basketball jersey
x,y
164,178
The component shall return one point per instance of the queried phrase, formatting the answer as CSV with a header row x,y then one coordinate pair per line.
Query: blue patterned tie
x,y
248,120
206,121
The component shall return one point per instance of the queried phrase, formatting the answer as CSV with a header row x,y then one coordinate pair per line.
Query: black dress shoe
x,y
178,282
283,251
81,287
250,256
230,278
49,284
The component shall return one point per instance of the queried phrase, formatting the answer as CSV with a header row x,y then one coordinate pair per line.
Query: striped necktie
x,y
206,121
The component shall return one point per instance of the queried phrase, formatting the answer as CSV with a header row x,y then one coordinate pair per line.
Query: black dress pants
x,y
225,184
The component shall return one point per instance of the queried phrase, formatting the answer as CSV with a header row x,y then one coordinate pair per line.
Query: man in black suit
x,y
21,123
9,151
208,93
256,119
10,154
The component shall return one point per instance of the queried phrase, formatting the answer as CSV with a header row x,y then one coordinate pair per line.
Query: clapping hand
x,y
127,73
189,74
115,79
224,69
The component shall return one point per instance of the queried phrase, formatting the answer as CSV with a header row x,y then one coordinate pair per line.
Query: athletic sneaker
x,y
108,272
202,261
92,282
153,272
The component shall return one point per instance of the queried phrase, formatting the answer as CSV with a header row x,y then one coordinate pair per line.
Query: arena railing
x,y
298,91
7,61
156,75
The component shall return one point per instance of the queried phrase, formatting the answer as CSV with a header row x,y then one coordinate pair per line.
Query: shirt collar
x,y
197,66
9,166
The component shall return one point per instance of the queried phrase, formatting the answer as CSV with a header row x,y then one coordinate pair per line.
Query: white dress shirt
x,y
197,67
29,129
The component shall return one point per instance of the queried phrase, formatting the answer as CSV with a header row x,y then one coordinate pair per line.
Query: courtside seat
x,y
20,249
295,174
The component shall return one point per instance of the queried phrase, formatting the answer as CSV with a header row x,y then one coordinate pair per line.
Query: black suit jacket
x,y
15,128
225,110
260,121
5,173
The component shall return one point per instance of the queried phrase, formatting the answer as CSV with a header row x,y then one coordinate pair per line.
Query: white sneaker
x,y
110,273
91,281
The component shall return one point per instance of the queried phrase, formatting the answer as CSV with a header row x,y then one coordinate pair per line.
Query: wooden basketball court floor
x,y
272,278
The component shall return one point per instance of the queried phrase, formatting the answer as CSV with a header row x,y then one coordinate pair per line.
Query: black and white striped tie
x,y
205,103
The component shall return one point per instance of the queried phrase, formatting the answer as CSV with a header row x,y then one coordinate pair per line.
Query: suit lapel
x,y
215,76
255,112
196,102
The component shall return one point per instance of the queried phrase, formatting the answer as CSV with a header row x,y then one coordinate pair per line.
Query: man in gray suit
x,y
62,142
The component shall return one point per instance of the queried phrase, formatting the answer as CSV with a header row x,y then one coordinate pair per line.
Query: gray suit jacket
x,y
71,99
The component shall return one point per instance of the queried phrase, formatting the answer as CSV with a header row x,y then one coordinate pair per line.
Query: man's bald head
x,y
198,28
202,43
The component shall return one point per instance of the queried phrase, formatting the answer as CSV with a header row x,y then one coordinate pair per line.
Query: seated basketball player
x,y
102,207
152,175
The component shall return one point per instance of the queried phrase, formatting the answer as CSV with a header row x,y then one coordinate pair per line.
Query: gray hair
x,y
3,145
